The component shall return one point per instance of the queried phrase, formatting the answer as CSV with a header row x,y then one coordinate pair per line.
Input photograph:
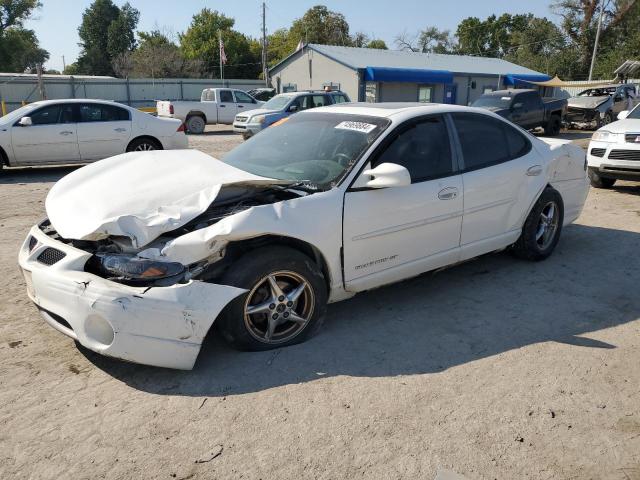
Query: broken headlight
x,y
132,267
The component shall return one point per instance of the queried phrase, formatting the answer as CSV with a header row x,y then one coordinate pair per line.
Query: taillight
x,y
171,109
180,128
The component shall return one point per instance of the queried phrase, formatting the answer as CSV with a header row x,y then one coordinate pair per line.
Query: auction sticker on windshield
x,y
357,126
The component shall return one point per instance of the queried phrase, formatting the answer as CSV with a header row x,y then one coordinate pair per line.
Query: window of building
x,y
425,94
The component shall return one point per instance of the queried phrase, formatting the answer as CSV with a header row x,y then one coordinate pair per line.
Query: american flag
x,y
223,56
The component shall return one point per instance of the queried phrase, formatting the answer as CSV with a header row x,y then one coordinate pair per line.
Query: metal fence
x,y
17,89
567,92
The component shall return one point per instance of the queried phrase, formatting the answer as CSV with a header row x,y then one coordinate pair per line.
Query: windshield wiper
x,y
304,185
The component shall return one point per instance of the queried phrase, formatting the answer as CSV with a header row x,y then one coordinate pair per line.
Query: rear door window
x,y
226,96
486,141
95,112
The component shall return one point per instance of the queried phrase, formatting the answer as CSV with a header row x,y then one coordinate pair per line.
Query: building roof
x,y
360,58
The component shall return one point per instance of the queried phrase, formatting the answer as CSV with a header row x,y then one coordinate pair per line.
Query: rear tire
x,y
541,230
600,182
285,301
553,126
143,144
195,124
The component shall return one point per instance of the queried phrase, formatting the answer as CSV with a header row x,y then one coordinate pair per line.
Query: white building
x,y
396,76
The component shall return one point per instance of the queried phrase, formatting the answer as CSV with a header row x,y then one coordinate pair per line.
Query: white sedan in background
x,y
331,202
614,151
81,131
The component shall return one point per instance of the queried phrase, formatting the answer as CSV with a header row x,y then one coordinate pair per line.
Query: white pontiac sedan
x,y
81,131
614,151
329,203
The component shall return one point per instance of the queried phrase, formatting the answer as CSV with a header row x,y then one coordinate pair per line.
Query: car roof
x,y
392,109
78,100
508,92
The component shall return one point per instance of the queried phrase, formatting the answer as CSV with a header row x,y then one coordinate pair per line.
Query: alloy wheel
x,y
279,307
547,225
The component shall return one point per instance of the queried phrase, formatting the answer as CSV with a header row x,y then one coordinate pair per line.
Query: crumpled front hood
x,y
587,102
140,195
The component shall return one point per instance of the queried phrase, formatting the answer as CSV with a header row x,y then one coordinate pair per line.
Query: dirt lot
x,y
498,368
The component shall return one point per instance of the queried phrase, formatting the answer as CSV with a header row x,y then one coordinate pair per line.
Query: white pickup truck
x,y
216,105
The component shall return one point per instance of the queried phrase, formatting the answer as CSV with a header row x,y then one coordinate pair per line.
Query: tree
x,y
200,43
579,23
431,40
19,47
377,44
321,25
106,32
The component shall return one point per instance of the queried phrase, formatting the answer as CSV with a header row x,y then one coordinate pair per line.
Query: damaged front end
x,y
586,112
117,302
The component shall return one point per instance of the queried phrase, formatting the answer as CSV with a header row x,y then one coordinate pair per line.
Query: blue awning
x,y
513,79
409,75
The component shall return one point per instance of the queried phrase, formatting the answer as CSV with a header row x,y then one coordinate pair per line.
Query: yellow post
x,y
4,108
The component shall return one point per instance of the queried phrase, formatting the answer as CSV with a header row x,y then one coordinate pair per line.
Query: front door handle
x,y
119,129
534,171
448,193
240,106
66,132
223,106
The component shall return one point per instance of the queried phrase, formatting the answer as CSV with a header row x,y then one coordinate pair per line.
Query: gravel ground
x,y
497,368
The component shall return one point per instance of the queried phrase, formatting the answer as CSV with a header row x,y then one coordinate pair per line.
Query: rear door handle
x,y
534,171
448,193
223,106
120,129
66,132
240,106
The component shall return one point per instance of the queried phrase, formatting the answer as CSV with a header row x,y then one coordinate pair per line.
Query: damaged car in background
x,y
138,259
599,106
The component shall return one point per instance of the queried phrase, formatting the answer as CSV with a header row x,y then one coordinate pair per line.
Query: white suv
x,y
614,151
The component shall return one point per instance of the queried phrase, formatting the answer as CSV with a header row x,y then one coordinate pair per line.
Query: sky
x,y
56,23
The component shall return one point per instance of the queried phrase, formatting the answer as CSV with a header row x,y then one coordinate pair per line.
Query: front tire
x,y
541,230
285,301
600,182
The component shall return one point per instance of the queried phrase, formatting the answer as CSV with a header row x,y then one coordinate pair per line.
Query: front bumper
x,y
159,326
615,160
247,128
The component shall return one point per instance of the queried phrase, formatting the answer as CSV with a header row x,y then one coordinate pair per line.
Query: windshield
x,y
598,92
492,101
312,147
278,102
17,114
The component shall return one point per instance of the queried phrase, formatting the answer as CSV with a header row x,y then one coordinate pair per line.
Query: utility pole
x,y
595,44
43,93
265,71
64,65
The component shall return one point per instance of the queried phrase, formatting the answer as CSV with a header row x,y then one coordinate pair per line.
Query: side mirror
x,y
293,108
25,122
623,114
517,106
388,175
